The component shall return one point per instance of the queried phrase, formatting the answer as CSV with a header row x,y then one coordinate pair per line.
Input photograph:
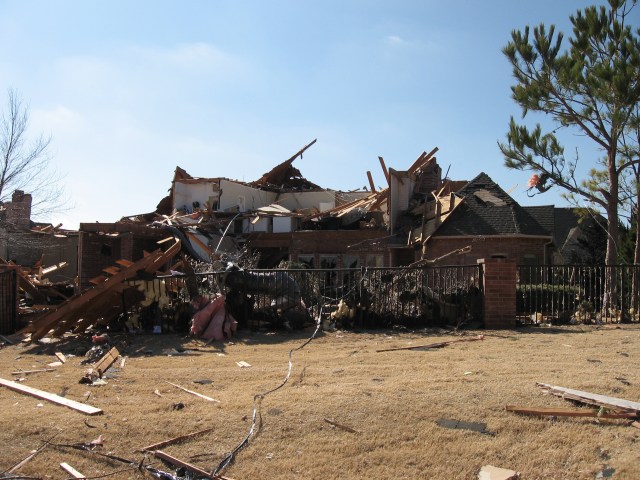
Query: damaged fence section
x,y
349,298
564,294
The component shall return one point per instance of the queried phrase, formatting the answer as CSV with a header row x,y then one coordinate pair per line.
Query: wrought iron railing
x,y
352,298
578,294
8,301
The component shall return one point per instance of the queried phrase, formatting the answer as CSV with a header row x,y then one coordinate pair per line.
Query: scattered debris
x,y
174,440
243,364
61,357
203,381
569,412
340,426
606,472
194,393
434,345
87,409
177,406
591,398
123,361
157,392
54,364
71,471
462,425
489,472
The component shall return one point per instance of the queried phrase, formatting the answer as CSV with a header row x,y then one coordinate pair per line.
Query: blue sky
x,y
129,90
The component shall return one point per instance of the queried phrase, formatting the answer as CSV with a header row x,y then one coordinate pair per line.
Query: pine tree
x,y
592,88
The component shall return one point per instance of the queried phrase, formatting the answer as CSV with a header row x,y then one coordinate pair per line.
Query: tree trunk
x,y
613,235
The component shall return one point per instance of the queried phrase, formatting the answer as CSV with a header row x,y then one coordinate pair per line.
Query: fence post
x,y
499,281
8,299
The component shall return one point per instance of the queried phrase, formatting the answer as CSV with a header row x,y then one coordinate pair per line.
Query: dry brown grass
x,y
392,399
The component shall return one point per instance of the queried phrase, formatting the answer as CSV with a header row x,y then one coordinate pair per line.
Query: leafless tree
x,y
25,163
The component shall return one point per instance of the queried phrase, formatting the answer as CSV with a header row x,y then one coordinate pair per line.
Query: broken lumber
x,y
106,361
71,471
591,398
171,441
194,393
434,345
50,397
179,463
568,412
61,357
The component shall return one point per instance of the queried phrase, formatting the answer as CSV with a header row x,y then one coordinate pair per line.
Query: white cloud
x,y
394,40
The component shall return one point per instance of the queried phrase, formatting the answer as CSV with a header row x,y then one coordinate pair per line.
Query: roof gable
x,y
488,210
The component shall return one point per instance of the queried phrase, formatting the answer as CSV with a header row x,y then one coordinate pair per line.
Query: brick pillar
x,y
499,292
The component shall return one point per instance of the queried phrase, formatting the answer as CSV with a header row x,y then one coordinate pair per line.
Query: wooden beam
x,y
434,345
422,160
371,184
50,397
171,441
385,171
568,412
591,398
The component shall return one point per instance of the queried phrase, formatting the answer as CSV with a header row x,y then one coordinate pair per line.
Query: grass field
x,y
390,404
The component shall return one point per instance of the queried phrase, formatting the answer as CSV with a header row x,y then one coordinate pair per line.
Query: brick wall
x,y
514,248
499,280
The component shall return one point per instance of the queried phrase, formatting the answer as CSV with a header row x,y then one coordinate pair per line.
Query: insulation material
x,y
212,321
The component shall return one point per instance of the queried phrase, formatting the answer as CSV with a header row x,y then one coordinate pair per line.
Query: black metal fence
x,y
350,298
8,301
578,294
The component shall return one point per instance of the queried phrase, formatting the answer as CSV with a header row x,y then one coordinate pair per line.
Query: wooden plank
x,y
171,441
71,471
106,361
591,398
50,397
27,372
111,270
568,412
434,345
209,399
179,463
124,263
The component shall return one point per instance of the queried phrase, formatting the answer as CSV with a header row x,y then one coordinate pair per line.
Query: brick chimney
x,y
19,210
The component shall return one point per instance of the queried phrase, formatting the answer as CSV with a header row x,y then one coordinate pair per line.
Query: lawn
x,y
347,411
